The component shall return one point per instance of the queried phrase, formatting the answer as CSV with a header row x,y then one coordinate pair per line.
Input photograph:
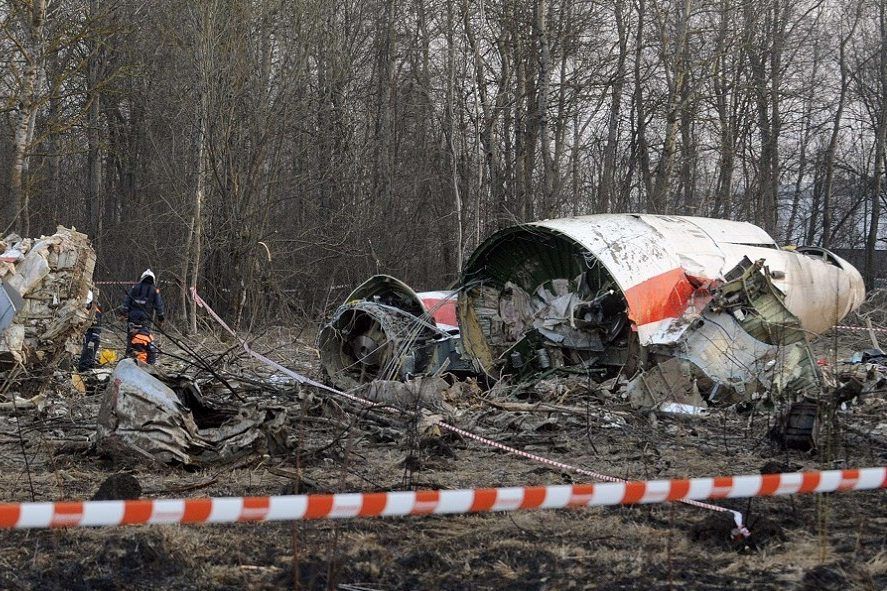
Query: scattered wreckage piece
x,y
143,417
421,392
423,399
616,294
385,330
18,403
798,425
743,344
865,373
43,286
855,381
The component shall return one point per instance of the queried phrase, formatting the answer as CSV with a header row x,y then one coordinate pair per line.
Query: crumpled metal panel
x,y
725,352
141,416
744,341
10,303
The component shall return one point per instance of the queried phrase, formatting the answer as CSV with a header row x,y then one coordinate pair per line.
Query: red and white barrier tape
x,y
114,282
738,519
429,502
270,362
860,328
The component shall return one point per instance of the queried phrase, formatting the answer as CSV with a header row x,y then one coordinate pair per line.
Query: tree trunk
x,y
17,209
833,139
608,172
491,153
205,69
451,131
541,26
643,151
662,188
871,244
93,167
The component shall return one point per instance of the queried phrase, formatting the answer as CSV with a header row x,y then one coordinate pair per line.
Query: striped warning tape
x,y
860,328
429,502
738,519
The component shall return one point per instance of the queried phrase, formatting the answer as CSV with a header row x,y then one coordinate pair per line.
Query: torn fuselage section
x,y
535,301
385,330
743,343
712,309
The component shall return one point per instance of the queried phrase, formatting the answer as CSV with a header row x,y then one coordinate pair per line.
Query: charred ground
x,y
805,542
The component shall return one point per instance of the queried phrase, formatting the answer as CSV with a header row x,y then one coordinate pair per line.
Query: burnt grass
x,y
835,541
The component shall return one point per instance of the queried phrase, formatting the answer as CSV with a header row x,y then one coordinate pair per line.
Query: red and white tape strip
x,y
860,328
430,502
738,519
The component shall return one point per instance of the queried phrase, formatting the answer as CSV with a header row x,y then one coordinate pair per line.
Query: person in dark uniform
x,y
92,340
142,304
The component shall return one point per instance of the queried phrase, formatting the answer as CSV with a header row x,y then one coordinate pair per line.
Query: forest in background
x,y
276,152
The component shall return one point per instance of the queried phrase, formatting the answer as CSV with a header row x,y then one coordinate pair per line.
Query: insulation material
x,y
45,281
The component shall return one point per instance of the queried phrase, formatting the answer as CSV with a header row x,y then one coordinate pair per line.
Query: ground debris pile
x,y
44,286
142,415
333,444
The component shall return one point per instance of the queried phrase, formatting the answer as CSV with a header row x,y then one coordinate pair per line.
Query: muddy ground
x,y
807,542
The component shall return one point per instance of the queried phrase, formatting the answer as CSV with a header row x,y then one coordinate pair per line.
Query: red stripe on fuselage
x,y
660,297
442,310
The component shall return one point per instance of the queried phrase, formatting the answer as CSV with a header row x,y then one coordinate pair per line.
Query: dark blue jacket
x,y
96,327
142,302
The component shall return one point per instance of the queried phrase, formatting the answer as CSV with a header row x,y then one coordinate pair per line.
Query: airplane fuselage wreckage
x,y
711,308
385,330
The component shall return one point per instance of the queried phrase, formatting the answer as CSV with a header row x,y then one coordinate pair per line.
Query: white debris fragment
x,y
44,283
